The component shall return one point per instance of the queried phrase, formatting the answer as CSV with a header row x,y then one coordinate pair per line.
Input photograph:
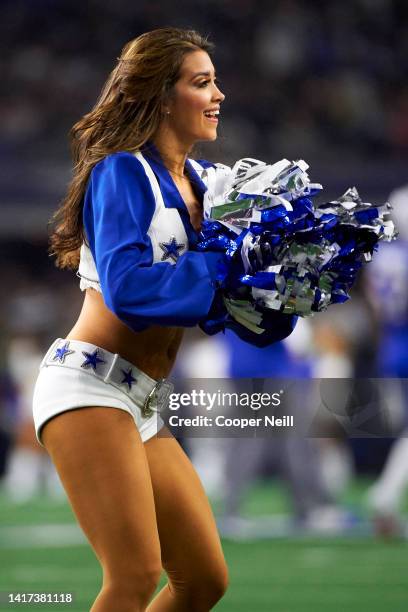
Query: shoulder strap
x,y
153,180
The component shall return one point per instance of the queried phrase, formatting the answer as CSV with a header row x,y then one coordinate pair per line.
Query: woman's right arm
x,y
118,210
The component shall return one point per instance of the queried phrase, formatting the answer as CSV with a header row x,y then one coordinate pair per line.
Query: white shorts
x,y
76,374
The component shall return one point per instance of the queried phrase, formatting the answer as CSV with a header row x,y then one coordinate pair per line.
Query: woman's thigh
x,y
190,545
102,464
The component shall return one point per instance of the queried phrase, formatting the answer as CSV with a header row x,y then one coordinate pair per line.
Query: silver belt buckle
x,y
161,387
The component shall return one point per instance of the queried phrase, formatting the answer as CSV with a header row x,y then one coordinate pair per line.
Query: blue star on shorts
x,y
62,352
91,360
128,378
171,249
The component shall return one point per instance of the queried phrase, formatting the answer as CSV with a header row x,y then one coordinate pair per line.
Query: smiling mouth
x,y
212,116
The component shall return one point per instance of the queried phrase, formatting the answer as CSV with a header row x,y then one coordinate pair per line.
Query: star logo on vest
x,y
91,360
128,378
171,249
62,352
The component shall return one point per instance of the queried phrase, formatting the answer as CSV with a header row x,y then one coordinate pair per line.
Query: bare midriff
x,y
153,350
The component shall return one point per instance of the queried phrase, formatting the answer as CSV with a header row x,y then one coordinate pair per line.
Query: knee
x,y
203,590
215,585
135,584
146,580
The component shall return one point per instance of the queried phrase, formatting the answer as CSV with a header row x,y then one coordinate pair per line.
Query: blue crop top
x,y
141,244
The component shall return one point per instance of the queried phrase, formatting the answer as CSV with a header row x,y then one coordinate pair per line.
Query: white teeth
x,y
211,113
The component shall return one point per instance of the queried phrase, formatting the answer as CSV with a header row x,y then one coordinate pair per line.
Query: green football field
x,y
42,550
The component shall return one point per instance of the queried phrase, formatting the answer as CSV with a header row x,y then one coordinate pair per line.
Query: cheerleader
x,y
129,225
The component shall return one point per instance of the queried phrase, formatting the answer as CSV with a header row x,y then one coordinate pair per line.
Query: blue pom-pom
x,y
283,251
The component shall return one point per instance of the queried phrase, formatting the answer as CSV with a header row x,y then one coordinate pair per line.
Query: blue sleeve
x,y
118,208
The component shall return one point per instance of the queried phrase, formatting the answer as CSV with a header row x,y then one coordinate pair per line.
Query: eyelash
x,y
216,81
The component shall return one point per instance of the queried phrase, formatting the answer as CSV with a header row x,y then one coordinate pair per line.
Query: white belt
x,y
112,369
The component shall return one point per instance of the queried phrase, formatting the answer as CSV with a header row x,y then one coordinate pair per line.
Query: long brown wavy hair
x,y
126,115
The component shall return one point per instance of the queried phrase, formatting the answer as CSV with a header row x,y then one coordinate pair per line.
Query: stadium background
x,y
322,81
